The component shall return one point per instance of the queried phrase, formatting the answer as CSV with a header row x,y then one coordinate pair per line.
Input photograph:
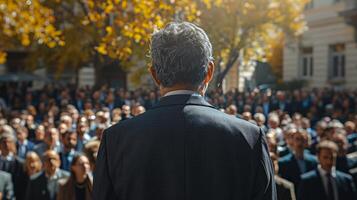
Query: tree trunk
x,y
232,59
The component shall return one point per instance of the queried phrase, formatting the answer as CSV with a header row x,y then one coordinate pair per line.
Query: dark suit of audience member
x,y
289,167
44,185
41,187
299,160
6,186
325,182
183,148
22,149
312,186
12,164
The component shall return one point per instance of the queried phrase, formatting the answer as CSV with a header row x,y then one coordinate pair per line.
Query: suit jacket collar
x,y
182,99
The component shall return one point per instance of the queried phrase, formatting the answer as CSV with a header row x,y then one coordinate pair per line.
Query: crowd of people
x,y
49,138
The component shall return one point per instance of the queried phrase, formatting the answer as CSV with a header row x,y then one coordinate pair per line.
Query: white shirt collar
x,y
324,172
176,92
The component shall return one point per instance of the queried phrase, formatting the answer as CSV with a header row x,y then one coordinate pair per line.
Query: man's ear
x,y
210,72
154,76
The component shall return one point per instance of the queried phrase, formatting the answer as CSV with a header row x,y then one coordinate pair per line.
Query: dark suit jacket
x,y
16,168
6,186
29,147
311,187
39,188
289,168
183,148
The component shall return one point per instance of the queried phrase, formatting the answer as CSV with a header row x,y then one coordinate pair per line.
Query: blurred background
x,y
265,43
69,69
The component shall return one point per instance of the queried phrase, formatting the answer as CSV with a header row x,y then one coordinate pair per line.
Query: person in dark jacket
x,y
293,165
12,164
325,182
183,147
44,185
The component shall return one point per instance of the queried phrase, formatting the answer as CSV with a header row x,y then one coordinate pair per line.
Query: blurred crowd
x,y
49,138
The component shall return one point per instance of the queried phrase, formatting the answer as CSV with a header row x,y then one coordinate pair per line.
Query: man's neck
x,y
299,154
165,90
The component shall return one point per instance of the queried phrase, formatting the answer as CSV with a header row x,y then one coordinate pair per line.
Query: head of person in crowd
x,y
297,119
328,133
62,129
91,151
100,117
138,110
305,123
82,126
260,119
33,163
51,137
342,144
40,133
350,127
273,120
271,141
15,123
70,140
299,141
126,112
327,154
21,134
66,119
7,144
247,116
116,115
30,121
31,109
51,162
175,68
232,110
80,168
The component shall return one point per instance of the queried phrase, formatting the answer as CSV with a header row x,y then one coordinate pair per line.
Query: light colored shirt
x,y
325,181
177,92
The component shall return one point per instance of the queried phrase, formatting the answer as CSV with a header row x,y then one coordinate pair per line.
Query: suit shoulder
x,y
285,159
36,176
309,175
344,176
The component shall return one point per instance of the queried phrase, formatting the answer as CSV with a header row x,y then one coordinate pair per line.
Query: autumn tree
x,y
71,33
245,28
23,22
93,31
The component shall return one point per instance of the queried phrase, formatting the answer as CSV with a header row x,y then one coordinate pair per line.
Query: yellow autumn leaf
x,y
102,49
2,57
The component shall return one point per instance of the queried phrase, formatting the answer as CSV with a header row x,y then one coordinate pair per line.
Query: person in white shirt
x,y
326,183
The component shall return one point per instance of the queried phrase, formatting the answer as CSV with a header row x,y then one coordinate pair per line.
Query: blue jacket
x,y
289,168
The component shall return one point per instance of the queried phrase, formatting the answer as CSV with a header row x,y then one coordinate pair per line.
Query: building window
x,y
337,61
309,5
307,62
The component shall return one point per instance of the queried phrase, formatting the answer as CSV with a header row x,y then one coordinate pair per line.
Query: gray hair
x,y
180,54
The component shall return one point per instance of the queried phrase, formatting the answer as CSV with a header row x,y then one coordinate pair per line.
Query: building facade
x,y
326,54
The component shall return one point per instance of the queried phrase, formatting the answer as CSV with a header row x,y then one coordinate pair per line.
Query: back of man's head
x,y
180,54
